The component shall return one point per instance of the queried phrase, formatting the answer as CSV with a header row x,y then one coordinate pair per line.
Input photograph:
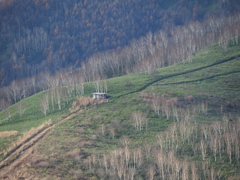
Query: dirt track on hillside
x,y
14,165
17,157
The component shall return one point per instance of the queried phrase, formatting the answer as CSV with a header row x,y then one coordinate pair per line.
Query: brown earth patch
x,y
7,133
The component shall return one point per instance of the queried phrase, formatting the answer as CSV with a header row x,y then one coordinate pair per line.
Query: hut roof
x,y
99,93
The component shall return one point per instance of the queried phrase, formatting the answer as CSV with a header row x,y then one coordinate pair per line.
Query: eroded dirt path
x,y
16,157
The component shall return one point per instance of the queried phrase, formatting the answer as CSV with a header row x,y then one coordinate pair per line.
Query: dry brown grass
x,y
86,144
80,103
26,137
23,167
43,164
23,173
83,102
77,173
81,130
19,151
7,133
20,163
73,153
85,124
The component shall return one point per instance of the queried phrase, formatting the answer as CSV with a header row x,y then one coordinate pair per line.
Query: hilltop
x,y
177,121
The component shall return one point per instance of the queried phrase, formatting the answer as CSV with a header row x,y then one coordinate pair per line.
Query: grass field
x,y
212,78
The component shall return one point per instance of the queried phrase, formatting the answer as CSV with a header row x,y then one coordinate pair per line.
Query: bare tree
x,y
127,154
204,107
33,83
229,140
194,172
79,84
7,94
151,172
205,169
52,97
156,105
185,170
100,83
112,132
25,88
105,84
44,104
214,145
44,80
125,140
139,119
102,129
14,91
205,131
161,141
147,150
105,162
21,107
59,96
97,83
212,173
160,161
203,148
132,172
4,104
71,81
148,65
166,109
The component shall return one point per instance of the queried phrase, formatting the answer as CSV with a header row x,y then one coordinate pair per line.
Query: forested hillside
x,y
170,69
47,35
178,122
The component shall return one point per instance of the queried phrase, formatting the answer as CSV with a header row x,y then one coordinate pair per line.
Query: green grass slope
x,y
205,90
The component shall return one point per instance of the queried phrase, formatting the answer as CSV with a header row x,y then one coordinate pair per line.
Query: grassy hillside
x,y
106,141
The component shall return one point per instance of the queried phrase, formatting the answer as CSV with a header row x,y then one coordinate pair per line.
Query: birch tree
x,y
139,119
21,107
44,104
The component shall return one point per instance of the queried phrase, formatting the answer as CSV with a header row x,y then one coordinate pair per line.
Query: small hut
x,y
98,95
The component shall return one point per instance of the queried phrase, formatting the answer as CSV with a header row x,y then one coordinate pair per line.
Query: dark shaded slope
x,y
48,35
